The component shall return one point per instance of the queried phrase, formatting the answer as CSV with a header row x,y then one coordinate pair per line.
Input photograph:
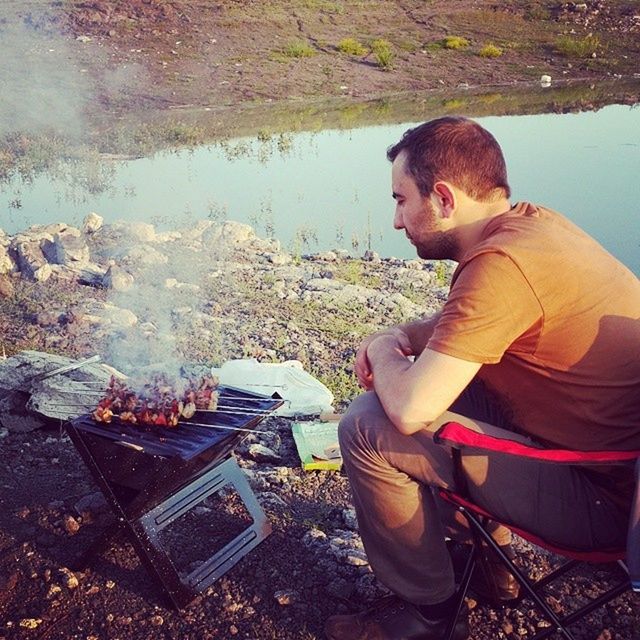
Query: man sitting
x,y
538,341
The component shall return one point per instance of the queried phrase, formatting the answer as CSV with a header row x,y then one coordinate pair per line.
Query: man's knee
x,y
365,426
351,423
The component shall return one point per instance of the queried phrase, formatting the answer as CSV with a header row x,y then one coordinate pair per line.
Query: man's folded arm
x,y
414,394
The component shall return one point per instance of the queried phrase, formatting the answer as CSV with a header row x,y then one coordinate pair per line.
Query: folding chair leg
x,y
522,579
463,587
561,570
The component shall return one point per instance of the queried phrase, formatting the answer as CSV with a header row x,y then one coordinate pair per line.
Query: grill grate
x,y
242,410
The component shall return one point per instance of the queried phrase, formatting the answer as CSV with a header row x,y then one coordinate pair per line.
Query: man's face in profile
x,y
418,216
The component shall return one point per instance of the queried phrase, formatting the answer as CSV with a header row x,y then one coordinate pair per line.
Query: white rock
x,y
145,255
136,231
92,222
260,453
43,273
313,537
356,558
6,263
237,232
67,248
545,80
195,232
117,279
117,316
279,259
328,256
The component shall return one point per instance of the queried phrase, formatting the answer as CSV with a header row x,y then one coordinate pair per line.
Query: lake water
x,y
331,189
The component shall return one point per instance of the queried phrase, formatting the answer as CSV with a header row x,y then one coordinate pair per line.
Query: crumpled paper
x,y
303,394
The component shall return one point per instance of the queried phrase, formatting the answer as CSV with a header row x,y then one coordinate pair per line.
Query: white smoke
x,y
42,87
168,297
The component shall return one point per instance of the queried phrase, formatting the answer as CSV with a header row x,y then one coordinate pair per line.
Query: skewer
x,y
192,424
223,396
222,410
235,410
218,426
64,369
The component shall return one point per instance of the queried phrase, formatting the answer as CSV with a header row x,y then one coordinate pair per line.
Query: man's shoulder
x,y
536,237
525,219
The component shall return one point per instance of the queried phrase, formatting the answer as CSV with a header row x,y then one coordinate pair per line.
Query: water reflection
x,y
331,188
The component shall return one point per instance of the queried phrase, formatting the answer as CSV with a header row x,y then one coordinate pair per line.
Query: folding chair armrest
x,y
459,436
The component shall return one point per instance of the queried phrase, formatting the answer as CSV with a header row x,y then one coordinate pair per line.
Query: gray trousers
x,y
403,523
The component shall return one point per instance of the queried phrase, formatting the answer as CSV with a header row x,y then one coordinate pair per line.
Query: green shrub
x,y
382,51
536,12
490,51
298,49
352,47
455,42
577,47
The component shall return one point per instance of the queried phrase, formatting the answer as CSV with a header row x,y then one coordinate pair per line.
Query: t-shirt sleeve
x,y
491,308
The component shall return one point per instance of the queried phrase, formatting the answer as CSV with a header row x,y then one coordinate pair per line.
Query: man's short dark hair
x,y
457,150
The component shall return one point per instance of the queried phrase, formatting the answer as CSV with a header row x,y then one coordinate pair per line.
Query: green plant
x,y
180,133
577,47
303,237
455,42
410,292
382,51
352,47
490,51
537,12
441,273
407,45
354,272
342,383
298,49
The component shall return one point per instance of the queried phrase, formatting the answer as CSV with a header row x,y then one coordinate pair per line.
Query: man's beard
x,y
441,245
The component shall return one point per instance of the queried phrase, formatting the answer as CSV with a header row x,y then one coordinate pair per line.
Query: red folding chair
x,y
461,438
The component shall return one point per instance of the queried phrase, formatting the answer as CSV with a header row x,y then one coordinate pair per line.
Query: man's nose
x,y
397,220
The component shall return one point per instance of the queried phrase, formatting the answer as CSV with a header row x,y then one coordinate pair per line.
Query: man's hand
x,y
362,367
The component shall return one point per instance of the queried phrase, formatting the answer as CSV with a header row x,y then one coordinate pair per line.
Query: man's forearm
x,y
415,393
419,332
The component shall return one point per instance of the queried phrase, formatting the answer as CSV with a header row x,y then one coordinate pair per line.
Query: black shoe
x,y
391,618
491,581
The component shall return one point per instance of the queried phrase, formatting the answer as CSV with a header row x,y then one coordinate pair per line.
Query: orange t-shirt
x,y
555,320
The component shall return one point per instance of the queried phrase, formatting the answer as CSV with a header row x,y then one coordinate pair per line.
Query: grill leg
x,y
146,530
100,544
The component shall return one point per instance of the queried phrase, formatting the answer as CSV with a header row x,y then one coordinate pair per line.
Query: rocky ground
x,y
211,293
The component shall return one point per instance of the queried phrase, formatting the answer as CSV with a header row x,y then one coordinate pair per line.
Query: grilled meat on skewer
x,y
158,403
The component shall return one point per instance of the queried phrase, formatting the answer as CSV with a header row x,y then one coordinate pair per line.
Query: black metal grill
x,y
153,476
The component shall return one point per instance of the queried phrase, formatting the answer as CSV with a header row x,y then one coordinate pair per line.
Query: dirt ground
x,y
155,54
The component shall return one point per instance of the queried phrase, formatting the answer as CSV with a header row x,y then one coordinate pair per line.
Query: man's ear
x,y
446,198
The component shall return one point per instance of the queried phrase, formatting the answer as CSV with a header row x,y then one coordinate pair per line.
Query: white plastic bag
x,y
303,394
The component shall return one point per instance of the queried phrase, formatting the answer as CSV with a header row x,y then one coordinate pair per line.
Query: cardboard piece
x,y
317,444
